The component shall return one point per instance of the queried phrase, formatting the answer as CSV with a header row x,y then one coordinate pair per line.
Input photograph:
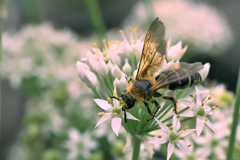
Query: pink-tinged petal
x,y
187,113
186,132
103,119
116,103
116,124
209,124
219,153
170,150
183,146
207,110
129,116
162,126
156,140
103,104
176,123
198,100
203,94
199,126
203,152
185,103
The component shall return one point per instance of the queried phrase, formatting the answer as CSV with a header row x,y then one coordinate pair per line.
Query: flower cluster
x,y
105,72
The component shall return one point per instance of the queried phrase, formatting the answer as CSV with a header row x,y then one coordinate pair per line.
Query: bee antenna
x,y
114,97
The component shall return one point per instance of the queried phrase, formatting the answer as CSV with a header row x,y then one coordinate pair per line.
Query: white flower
x,y
114,112
116,72
102,68
90,79
79,145
81,68
175,52
198,109
172,136
126,67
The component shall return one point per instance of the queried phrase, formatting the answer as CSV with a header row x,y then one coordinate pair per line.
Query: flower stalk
x,y
136,147
235,121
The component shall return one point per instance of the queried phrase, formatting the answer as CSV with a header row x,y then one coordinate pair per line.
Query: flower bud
x,y
122,84
102,68
126,67
175,52
90,79
110,65
81,68
116,72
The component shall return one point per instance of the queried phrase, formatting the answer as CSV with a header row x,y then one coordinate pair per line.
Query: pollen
x,y
116,41
109,100
94,44
185,128
130,29
217,105
206,119
178,138
178,116
136,29
104,41
189,145
101,113
171,127
115,113
202,104
159,136
191,95
115,94
213,107
209,98
182,52
121,31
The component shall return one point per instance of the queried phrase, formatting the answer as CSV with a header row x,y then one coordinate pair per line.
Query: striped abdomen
x,y
180,83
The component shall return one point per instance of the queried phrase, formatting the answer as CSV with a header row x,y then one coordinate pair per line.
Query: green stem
x,y
32,10
96,93
235,121
136,147
96,16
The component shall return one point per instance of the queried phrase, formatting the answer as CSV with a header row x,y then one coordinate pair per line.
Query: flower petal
x,y
209,124
199,126
198,100
156,140
186,132
163,126
170,150
183,146
116,124
187,113
176,123
129,116
185,103
103,104
103,119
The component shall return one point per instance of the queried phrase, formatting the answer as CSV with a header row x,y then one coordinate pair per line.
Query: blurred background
x,y
41,94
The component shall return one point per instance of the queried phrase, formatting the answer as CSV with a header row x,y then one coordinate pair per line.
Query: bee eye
x,y
125,90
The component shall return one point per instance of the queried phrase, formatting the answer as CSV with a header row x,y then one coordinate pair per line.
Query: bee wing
x,y
176,72
154,50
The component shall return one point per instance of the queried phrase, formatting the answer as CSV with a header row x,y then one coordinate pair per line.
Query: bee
x,y
145,86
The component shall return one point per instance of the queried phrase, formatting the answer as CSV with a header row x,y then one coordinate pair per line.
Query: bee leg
x,y
125,115
149,111
173,99
157,105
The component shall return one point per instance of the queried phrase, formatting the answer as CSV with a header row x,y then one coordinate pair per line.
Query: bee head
x,y
127,102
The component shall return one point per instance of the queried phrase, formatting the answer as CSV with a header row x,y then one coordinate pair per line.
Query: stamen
x,y
136,29
209,98
109,44
159,136
178,138
104,41
109,100
138,36
115,113
121,31
130,29
202,104
217,105
191,95
116,41
185,128
206,119
144,32
101,113
213,107
189,145
178,116
171,127
94,44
